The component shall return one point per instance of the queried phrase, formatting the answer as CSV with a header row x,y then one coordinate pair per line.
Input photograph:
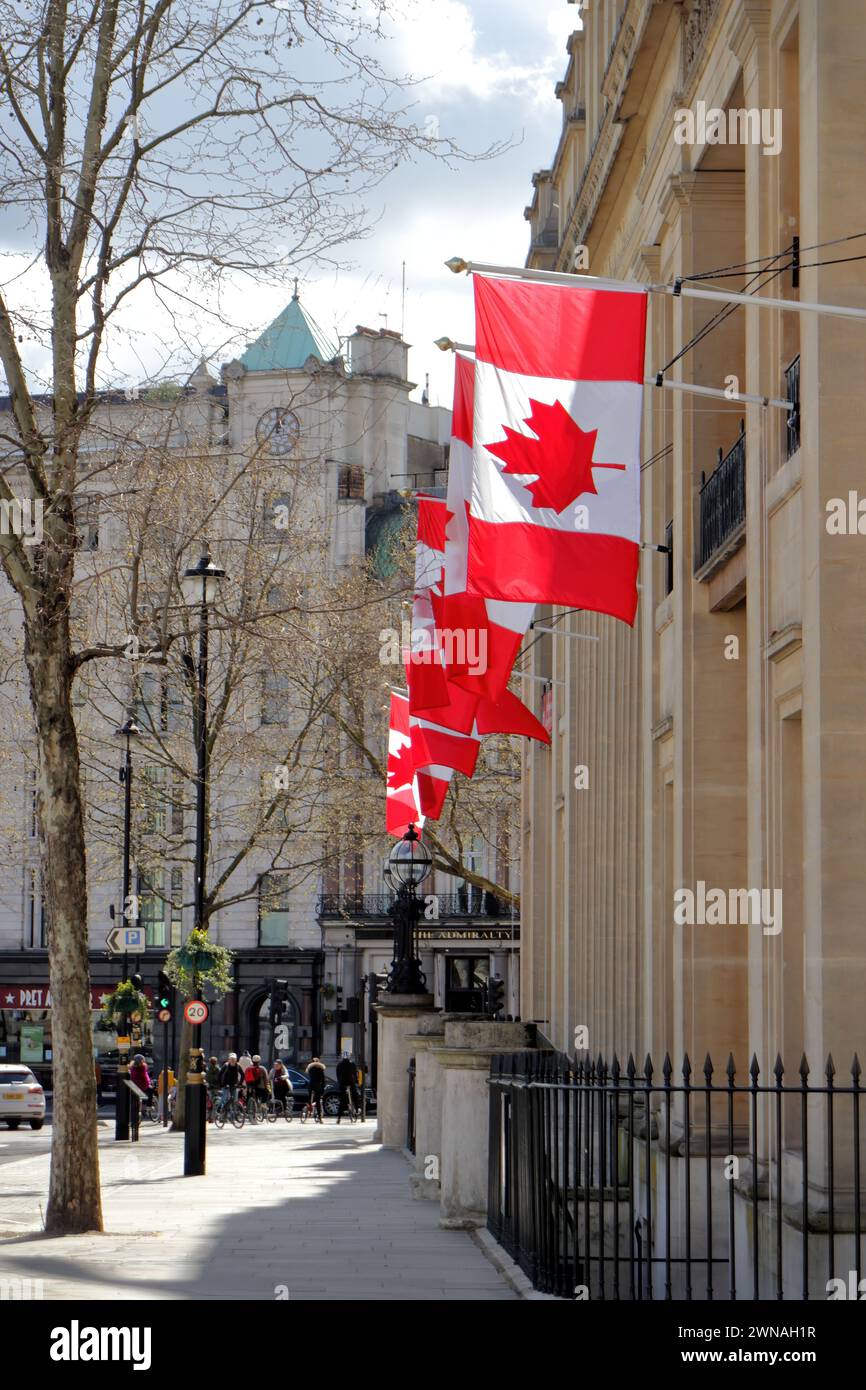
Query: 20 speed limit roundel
x,y
195,1011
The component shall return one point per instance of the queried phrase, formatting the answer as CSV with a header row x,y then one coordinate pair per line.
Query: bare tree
x,y
147,148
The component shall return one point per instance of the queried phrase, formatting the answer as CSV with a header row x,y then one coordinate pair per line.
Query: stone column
x,y
465,1063
424,1182
398,1017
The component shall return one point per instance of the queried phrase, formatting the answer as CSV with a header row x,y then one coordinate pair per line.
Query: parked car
x,y
21,1096
331,1101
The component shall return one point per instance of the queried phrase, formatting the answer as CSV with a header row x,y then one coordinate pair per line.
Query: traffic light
x,y
495,995
279,1000
164,992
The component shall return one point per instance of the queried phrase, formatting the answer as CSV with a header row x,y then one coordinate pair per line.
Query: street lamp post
x,y
129,731
408,865
200,584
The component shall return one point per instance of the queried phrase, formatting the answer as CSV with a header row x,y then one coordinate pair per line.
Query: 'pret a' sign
x,y
39,996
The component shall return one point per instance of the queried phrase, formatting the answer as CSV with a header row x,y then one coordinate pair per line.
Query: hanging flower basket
x,y
123,1003
200,961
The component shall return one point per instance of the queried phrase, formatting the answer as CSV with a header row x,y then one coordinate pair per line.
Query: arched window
x,y
286,1040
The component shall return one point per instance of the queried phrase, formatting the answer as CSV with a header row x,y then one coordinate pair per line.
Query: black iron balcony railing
x,y
755,1189
473,902
669,558
723,500
792,394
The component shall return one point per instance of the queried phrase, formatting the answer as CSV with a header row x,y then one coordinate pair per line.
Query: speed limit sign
x,y
195,1011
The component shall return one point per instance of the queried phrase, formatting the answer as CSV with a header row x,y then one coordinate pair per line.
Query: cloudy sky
x,y
496,64
490,68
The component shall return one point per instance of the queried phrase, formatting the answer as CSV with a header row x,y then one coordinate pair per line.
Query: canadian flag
x,y
497,628
422,758
402,792
425,653
554,514
466,713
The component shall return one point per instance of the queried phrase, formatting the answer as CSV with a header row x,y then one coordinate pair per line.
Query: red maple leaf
x,y
560,457
400,766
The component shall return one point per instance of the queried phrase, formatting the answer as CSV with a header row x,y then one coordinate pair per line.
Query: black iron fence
x,y
669,558
410,1109
723,500
610,1182
792,394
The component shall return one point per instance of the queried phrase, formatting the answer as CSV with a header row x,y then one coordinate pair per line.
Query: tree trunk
x,y
74,1201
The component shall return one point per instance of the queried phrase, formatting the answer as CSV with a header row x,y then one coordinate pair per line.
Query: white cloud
x,y
442,44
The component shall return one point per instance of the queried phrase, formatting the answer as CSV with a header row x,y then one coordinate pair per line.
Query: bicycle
x,y
350,1107
313,1107
229,1110
257,1110
284,1108
150,1109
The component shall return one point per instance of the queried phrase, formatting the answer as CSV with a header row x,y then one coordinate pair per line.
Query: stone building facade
x,y
721,736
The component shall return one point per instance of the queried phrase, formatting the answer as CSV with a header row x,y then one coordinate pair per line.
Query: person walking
x,y
347,1079
315,1070
165,1081
97,1072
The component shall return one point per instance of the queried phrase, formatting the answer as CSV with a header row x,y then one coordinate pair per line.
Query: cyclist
x,y
281,1085
347,1079
316,1072
230,1078
257,1080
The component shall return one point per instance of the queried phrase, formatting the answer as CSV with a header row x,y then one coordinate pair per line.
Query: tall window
x,y
176,906
152,906
275,689
274,899
37,921
160,705
153,778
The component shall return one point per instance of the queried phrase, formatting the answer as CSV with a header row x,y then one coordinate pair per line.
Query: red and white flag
x,y
493,630
425,650
466,713
402,794
554,514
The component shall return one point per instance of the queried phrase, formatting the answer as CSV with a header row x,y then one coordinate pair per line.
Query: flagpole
x,y
716,393
556,277
713,392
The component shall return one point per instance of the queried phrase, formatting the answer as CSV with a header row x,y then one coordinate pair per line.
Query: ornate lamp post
x,y
408,865
200,584
128,731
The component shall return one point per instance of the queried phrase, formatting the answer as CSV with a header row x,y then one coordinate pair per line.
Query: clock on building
x,y
278,430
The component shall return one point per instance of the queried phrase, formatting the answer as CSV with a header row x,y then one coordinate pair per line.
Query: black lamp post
x,y
129,731
408,865
200,584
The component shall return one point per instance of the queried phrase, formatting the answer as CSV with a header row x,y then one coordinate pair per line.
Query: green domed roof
x,y
291,339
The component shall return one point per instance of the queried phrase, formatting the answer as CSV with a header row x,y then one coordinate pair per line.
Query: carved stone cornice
x,y
699,16
750,26
700,186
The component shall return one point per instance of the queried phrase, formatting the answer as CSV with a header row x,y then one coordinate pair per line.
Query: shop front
x,y
26,1033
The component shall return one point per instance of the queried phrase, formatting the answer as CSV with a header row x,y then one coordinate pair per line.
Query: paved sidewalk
x,y
305,1212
